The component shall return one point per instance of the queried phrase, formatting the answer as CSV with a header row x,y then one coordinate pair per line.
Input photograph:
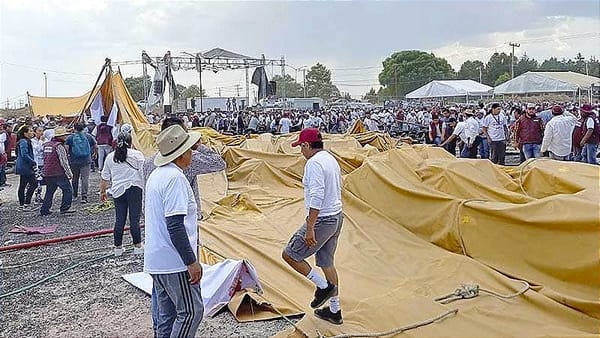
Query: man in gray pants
x,y
495,129
170,255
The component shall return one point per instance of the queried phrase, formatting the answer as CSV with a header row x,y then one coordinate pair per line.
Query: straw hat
x,y
172,143
61,131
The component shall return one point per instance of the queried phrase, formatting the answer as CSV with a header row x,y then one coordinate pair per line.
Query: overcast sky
x,y
70,39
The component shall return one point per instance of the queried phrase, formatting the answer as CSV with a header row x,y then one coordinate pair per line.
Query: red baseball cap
x,y
309,135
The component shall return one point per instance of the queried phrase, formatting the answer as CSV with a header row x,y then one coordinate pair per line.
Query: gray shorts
x,y
327,231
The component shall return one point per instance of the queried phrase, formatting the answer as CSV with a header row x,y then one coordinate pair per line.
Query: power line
x,y
44,69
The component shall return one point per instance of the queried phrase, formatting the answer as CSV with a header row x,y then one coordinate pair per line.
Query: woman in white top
x,y
123,171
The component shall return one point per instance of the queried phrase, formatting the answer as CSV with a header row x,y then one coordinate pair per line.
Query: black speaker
x,y
316,106
167,109
273,86
193,102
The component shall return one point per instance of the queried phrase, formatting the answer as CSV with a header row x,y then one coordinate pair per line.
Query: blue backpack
x,y
80,146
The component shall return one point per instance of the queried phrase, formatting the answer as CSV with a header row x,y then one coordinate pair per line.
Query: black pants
x,y
29,182
498,152
130,201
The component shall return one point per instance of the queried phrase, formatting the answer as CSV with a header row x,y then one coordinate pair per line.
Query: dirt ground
x,y
91,300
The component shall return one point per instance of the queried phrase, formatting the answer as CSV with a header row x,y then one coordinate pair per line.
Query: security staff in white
x,y
172,235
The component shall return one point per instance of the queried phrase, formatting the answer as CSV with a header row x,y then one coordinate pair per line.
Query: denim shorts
x,y
327,231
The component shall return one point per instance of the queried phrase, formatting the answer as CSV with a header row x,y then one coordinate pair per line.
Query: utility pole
x,y
587,72
304,80
45,85
480,75
512,57
219,91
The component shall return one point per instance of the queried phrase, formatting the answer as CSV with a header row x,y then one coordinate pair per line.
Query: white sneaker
x,y
138,251
118,251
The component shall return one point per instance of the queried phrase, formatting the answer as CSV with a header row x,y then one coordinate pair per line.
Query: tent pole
x,y
106,63
247,88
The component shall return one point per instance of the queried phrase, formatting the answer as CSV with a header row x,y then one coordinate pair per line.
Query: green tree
x,y
470,70
410,69
135,86
191,91
593,67
318,83
502,78
525,64
371,96
498,64
553,64
292,88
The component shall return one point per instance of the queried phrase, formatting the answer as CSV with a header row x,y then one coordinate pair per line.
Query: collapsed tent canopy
x,y
450,88
64,106
547,82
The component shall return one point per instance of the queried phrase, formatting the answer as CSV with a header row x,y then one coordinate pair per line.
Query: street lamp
x,y
45,85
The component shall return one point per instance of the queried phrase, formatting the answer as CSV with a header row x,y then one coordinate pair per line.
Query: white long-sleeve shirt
x,y
558,134
323,184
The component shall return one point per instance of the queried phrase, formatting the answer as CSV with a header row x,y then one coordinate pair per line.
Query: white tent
x,y
450,88
547,82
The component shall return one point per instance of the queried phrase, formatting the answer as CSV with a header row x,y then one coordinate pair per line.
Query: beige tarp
x,y
410,212
65,106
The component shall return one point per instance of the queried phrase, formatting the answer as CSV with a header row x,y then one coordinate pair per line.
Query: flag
x,y
112,118
97,108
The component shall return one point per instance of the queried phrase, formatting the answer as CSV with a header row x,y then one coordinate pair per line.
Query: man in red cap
x,y
318,236
557,134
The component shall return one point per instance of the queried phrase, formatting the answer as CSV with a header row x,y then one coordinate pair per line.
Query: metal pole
x,y
283,82
480,75
512,56
144,74
199,67
45,85
304,77
247,88
587,72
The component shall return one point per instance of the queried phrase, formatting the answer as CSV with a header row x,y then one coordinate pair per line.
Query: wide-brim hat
x,y
586,108
61,131
172,143
468,112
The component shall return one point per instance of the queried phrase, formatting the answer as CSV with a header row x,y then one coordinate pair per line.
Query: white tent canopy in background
x,y
547,82
450,88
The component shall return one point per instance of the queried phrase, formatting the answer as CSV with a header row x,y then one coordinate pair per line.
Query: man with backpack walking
x,y
81,147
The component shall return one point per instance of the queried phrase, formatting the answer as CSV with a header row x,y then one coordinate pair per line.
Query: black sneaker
x,y
67,212
323,295
326,314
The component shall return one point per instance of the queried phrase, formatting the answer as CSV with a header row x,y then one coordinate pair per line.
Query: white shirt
x,y
168,193
2,140
306,123
558,134
322,182
472,130
49,134
121,175
495,125
589,123
461,131
285,124
38,150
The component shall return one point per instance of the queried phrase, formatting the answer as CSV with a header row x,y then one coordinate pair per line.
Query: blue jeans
x,y
484,149
531,150
589,153
52,183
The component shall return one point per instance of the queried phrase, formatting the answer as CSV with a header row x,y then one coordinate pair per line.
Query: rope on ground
x,y
400,329
41,281
468,291
100,207
458,222
53,257
279,312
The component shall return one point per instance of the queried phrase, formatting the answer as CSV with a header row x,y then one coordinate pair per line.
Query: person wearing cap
x,y
557,140
57,173
171,236
495,129
123,171
590,131
319,234
450,137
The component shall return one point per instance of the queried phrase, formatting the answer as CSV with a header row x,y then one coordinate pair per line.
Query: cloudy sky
x,y
70,39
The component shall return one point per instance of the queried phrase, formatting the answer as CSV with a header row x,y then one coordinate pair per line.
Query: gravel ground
x,y
92,299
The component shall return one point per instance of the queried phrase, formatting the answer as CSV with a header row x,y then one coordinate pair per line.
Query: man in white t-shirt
x,y
319,234
170,255
284,124
495,129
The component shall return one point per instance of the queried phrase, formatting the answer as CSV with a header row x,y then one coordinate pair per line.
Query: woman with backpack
x,y
123,172
25,167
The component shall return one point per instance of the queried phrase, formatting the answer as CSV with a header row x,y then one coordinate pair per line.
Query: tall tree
x,y
502,78
318,83
498,64
292,88
191,91
525,64
408,70
371,96
553,64
470,70
135,86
